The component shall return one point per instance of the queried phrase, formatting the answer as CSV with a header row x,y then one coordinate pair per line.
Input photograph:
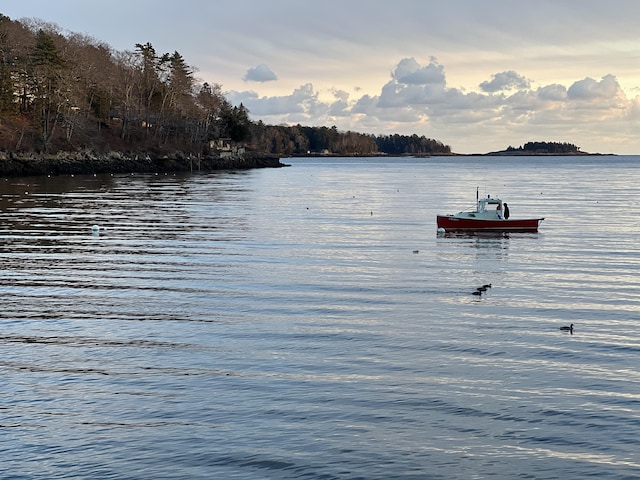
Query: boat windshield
x,y
489,203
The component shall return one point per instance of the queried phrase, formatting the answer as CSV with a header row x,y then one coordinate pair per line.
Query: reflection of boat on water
x,y
488,236
491,215
492,246
484,240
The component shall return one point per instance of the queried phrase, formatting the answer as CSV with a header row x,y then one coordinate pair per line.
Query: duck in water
x,y
567,329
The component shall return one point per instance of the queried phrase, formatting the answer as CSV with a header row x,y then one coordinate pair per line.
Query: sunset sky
x,y
478,76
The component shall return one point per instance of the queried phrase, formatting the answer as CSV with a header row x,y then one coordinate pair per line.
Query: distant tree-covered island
x,y
543,148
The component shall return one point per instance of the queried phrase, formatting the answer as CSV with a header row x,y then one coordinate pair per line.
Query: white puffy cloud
x,y
303,101
260,73
414,85
590,89
409,72
340,94
633,112
553,93
505,81
366,105
340,107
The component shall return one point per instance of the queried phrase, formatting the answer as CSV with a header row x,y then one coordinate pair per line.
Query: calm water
x,y
309,323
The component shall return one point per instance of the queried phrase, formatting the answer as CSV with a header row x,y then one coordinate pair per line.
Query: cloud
x,y
409,72
261,73
633,112
590,89
340,94
339,108
505,81
413,84
302,100
553,93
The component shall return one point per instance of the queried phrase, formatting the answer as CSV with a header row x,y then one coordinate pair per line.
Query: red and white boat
x,y
491,214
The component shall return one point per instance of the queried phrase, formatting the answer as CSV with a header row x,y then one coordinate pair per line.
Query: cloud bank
x,y
504,110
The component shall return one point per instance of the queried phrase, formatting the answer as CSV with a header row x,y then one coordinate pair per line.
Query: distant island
x,y
543,148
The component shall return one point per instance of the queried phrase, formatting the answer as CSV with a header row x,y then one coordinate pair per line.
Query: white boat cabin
x,y
487,209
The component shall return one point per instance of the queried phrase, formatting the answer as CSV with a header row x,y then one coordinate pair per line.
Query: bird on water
x,y
481,290
567,329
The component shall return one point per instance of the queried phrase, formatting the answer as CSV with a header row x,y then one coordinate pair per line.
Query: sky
x,y
478,76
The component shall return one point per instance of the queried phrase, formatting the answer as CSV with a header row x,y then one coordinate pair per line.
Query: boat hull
x,y
451,223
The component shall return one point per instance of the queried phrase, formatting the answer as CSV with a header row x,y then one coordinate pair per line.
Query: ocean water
x,y
309,323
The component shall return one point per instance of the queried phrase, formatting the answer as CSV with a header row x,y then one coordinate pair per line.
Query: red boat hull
x,y
457,224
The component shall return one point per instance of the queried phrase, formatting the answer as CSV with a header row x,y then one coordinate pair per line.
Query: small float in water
x,y
97,229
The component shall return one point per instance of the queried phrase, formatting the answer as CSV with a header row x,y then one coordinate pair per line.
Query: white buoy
x,y
441,230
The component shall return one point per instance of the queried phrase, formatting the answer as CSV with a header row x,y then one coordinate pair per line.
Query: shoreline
x,y
429,155
87,163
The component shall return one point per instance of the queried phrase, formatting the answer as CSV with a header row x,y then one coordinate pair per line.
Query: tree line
x,y
71,92
546,147
301,140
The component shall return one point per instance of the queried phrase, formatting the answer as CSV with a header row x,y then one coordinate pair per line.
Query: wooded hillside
x,y
68,92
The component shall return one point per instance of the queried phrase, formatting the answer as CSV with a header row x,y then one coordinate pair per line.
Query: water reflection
x,y
489,235
484,245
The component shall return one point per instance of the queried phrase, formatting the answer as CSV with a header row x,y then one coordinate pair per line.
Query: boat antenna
x,y
477,198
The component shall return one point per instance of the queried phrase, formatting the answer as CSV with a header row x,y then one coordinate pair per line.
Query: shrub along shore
x,y
79,163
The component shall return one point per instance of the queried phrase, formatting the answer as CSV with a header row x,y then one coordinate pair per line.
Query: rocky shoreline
x,y
80,163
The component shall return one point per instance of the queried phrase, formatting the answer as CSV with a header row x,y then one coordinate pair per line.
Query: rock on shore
x,y
78,163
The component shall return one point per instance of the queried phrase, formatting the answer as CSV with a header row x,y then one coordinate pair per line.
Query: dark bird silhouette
x,y
487,285
477,292
567,329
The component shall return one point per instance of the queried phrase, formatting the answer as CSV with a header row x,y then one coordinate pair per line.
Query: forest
x,y
70,92
550,148
299,140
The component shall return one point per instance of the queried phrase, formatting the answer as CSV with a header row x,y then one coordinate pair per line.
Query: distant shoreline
x,y
429,155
